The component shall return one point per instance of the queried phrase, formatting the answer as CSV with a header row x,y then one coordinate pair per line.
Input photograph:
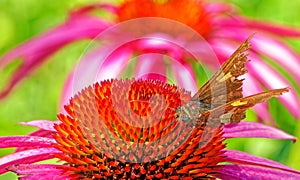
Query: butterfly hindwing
x,y
234,111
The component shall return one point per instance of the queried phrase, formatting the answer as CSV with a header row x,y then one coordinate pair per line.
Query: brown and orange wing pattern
x,y
224,86
234,111
220,100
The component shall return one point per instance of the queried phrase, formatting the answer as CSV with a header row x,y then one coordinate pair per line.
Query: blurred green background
x,y
38,95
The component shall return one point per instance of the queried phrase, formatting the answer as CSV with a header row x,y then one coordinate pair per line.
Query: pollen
x,y
239,103
127,129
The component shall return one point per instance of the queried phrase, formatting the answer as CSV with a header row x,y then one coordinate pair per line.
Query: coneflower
x,y
147,129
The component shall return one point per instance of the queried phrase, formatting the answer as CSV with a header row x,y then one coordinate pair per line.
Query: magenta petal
x,y
279,52
268,46
258,26
185,76
67,92
245,158
25,141
35,168
28,156
265,74
39,133
115,63
35,51
42,124
242,172
252,129
274,80
47,171
252,86
219,7
105,62
88,9
50,176
151,66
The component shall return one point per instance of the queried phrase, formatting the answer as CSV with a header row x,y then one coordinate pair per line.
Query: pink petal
x,y
39,133
26,157
88,9
279,52
252,86
36,168
274,80
269,46
25,141
42,133
185,76
252,129
67,92
267,75
219,7
47,171
115,63
152,65
42,124
35,51
245,158
257,26
51,176
242,172
104,63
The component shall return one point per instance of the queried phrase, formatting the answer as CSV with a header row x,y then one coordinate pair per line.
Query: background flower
x,y
29,102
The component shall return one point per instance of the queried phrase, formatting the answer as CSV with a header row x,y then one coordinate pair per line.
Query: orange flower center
x,y
188,12
127,129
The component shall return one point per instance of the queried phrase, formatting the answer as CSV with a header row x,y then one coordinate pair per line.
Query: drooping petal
x,y
185,76
269,46
245,158
38,133
249,172
273,80
87,9
25,141
42,124
66,92
36,168
104,62
264,73
252,86
35,51
152,66
244,23
279,53
46,171
219,7
28,156
252,129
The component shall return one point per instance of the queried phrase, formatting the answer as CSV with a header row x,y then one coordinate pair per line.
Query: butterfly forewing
x,y
224,86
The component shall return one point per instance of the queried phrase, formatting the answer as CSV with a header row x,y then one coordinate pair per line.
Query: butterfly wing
x,y
224,86
234,111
